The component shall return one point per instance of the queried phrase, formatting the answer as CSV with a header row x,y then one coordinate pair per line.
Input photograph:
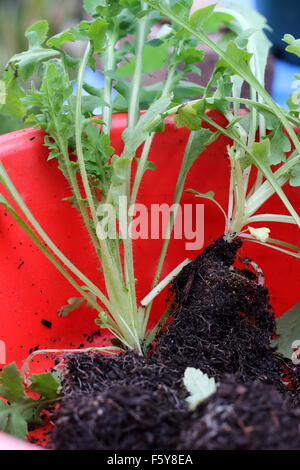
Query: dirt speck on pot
x,y
46,323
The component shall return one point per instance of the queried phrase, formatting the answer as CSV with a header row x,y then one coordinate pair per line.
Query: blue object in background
x,y
284,81
96,80
283,17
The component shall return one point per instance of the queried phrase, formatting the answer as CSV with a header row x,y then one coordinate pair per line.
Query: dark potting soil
x,y
88,373
123,417
243,417
225,319
222,324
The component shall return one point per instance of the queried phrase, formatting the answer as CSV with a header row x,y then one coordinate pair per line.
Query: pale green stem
x,y
78,135
133,113
109,65
149,140
239,192
285,219
167,280
72,179
134,105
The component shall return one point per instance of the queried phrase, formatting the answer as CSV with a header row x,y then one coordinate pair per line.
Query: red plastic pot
x,y
31,290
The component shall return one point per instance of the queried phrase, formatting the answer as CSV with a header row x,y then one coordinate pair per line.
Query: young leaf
x,y
187,116
95,30
11,384
134,137
26,62
199,386
280,146
45,385
295,176
12,421
21,409
37,33
154,58
59,39
288,329
91,5
200,16
236,58
13,93
294,44
261,234
198,142
210,195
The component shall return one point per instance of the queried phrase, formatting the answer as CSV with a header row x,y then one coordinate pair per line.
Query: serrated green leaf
x,y
4,414
12,104
96,32
213,22
262,151
187,116
26,62
37,33
280,146
134,137
288,329
59,39
45,384
237,57
21,409
191,55
200,16
12,387
154,58
109,8
16,424
294,44
119,175
91,5
199,386
295,176
197,144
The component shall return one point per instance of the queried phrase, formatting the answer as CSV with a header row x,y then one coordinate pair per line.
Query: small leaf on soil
x,y
199,386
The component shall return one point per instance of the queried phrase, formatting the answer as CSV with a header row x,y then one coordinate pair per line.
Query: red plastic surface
x,y
31,290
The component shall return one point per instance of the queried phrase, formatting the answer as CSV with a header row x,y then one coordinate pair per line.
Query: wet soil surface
x,y
223,325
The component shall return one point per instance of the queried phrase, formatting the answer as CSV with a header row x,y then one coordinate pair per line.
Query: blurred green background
x,y
16,16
